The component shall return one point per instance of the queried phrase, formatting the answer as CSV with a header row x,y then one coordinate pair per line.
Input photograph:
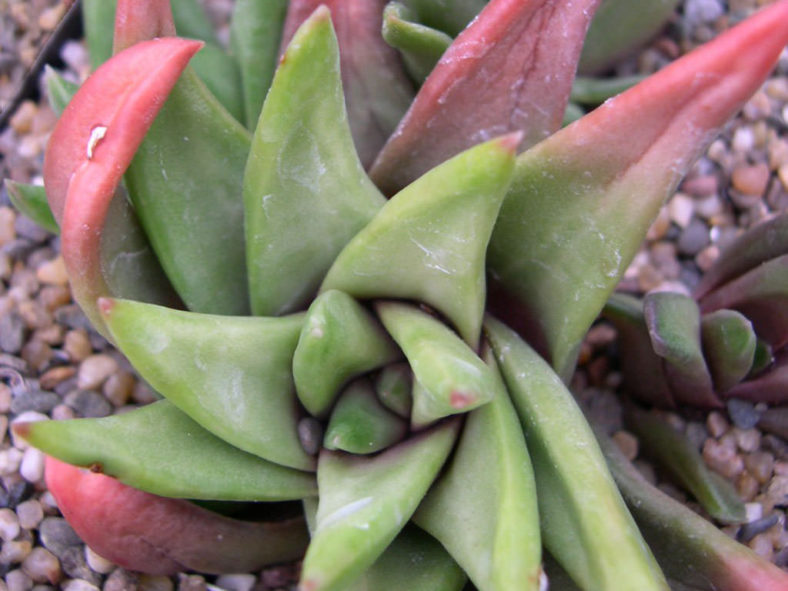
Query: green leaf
x,y
421,46
449,377
414,561
59,90
160,450
191,20
584,522
340,339
185,184
729,344
595,91
232,375
222,76
305,192
681,459
31,200
366,501
255,34
429,241
450,16
673,322
393,386
98,20
360,424
690,549
483,508
582,200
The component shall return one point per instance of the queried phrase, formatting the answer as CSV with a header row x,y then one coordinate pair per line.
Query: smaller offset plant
x,y
315,341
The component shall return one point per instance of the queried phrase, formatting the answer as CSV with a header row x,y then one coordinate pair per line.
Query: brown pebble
x,y
778,490
762,546
54,296
7,229
119,387
747,439
63,412
627,443
54,376
746,486
760,464
701,186
717,424
53,272
42,566
50,17
77,345
37,354
22,120
758,107
751,180
94,371
722,459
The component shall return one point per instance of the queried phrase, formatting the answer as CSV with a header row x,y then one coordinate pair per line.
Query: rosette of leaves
x,y
726,341
315,341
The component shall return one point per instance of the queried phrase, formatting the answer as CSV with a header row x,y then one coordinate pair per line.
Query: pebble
x,y
698,12
742,413
778,490
52,377
716,424
32,466
756,527
746,486
694,238
236,582
743,139
88,404
121,580
7,229
98,563
762,546
701,186
627,443
9,524
76,344
15,551
119,387
57,535
78,585
76,567
53,272
760,464
696,433
191,582
751,180
63,413
681,208
12,332
707,257
722,459
35,400
155,583
16,580
747,439
30,514
10,459
94,371
42,566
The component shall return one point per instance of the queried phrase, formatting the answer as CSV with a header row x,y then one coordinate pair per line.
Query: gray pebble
x,y
88,403
27,228
36,400
18,249
694,238
75,566
743,413
12,332
15,363
72,317
58,536
16,580
121,580
698,12
749,530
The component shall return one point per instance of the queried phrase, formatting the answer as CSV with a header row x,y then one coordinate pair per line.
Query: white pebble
x,y
9,524
16,580
78,585
9,461
98,563
95,370
30,514
42,566
743,139
32,466
753,511
236,582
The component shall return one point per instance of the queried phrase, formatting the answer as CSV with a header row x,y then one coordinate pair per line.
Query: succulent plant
x,y
315,341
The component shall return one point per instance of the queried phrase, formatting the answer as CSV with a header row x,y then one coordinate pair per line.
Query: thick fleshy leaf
x,y
377,91
673,321
449,378
514,56
340,339
140,20
360,424
232,375
619,28
641,368
393,386
31,200
775,420
761,295
366,501
185,183
414,561
59,90
98,17
450,16
595,91
584,522
221,74
729,344
429,241
160,450
305,191
90,147
680,458
255,31
582,200
689,548
759,244
771,386
144,532
483,508
420,46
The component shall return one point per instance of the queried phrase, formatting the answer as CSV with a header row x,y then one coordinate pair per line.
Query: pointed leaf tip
x,y
105,306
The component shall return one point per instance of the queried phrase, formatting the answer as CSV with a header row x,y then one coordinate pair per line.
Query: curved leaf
x,y
771,386
339,340
305,192
421,46
31,201
449,377
59,90
450,16
144,532
160,450
393,387
429,241
582,200
585,524
483,508
517,59
230,374
729,345
366,501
